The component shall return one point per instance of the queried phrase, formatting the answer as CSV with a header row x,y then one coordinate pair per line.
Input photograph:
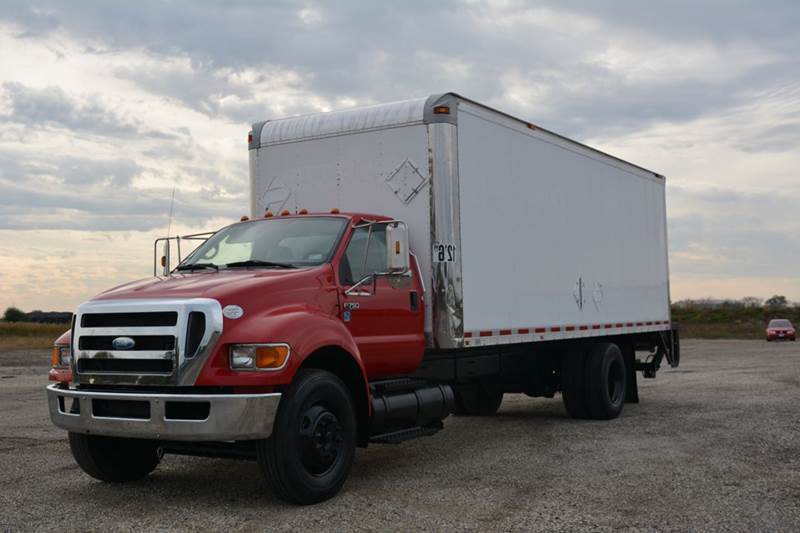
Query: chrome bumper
x,y
230,416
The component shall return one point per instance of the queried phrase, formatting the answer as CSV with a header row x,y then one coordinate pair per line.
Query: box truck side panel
x,y
557,240
383,171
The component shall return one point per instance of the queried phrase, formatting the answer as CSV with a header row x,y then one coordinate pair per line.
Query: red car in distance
x,y
780,329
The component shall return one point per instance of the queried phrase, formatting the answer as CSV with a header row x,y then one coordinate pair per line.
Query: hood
x,y
210,284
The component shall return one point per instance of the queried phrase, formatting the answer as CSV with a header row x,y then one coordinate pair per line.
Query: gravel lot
x,y
714,445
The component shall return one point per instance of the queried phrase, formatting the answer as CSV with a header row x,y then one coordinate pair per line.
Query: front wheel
x,y
308,456
114,459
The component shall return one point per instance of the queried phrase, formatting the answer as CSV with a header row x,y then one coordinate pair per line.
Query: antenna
x,y
171,205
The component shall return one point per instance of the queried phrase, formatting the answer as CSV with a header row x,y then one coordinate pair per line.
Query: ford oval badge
x,y
232,311
123,343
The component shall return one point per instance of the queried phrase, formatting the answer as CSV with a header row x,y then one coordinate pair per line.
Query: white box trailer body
x,y
521,235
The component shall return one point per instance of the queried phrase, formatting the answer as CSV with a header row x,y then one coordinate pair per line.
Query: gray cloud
x,y
378,51
51,106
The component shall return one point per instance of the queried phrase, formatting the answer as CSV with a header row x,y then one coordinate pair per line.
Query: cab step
x,y
396,437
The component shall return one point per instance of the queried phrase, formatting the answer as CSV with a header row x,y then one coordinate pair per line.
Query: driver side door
x,y
385,318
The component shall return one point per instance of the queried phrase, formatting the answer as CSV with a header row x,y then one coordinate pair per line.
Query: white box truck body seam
x,y
522,235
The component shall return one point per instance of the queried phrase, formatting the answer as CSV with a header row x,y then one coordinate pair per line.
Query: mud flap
x,y
632,386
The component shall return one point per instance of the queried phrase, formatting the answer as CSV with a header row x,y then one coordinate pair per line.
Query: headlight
x,y
259,356
61,356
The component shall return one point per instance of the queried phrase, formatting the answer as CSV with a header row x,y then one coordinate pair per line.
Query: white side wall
x,y
537,213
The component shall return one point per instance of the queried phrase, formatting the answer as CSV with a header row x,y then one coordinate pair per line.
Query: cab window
x,y
365,254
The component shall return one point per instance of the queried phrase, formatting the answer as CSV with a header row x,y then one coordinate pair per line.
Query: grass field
x,y
29,335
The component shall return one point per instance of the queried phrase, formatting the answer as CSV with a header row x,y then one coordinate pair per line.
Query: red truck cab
x,y
319,313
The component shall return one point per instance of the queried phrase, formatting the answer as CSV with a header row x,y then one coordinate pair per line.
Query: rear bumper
x,y
230,416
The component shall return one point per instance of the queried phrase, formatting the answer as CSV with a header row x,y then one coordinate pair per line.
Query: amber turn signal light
x,y
441,110
271,356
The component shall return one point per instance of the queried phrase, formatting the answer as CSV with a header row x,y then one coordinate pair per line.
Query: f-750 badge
x,y
351,305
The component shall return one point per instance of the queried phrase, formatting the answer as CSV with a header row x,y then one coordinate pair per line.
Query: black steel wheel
x,y
308,457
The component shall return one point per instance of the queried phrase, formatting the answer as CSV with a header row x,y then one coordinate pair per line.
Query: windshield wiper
x,y
259,263
196,266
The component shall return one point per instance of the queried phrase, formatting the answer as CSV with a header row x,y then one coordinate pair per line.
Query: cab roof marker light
x,y
441,110
244,218
268,214
303,211
335,211
285,212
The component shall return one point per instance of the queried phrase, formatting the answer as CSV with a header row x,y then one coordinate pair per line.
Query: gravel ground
x,y
714,445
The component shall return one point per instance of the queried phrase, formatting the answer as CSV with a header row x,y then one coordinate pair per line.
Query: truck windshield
x,y
269,243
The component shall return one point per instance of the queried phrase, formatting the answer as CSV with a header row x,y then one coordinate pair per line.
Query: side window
x,y
365,254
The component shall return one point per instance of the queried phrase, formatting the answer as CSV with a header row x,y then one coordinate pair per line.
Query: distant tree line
x,y
776,302
14,314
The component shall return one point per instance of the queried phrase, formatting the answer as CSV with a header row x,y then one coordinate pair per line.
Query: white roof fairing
x,y
346,121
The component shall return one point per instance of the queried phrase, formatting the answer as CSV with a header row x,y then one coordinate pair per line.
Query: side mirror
x,y
397,256
165,258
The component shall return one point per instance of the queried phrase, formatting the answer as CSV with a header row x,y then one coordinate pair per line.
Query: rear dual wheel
x,y
477,400
594,383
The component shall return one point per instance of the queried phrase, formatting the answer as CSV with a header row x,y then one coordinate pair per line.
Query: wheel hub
x,y
321,439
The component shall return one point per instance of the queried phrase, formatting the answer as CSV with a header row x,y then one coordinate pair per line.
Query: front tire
x,y
114,459
308,457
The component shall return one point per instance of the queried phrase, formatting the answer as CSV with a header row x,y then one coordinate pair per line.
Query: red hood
x,y
217,285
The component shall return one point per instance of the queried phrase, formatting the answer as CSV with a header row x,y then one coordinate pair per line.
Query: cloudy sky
x,y
105,106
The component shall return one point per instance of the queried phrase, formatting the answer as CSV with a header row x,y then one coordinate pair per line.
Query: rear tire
x,y
605,381
573,387
308,456
114,459
477,400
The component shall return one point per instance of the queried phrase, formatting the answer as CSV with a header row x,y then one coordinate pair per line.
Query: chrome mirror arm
x,y
352,291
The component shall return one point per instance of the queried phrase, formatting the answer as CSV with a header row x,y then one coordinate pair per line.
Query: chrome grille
x,y
144,342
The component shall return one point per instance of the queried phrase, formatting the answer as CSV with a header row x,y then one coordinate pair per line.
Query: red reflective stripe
x,y
485,333
608,326
556,328
629,324
584,327
540,330
570,328
619,325
467,334
523,331
640,323
596,326
648,323
505,332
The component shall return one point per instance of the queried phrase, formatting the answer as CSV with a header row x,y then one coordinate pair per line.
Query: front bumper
x,y
230,416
